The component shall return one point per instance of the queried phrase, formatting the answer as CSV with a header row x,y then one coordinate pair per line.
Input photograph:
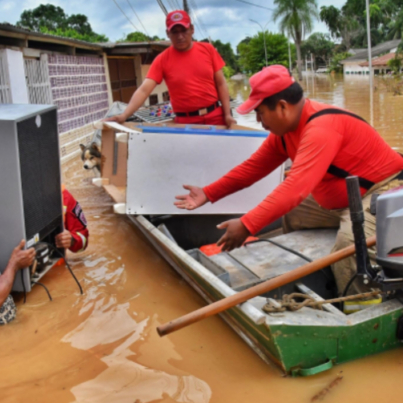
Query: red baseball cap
x,y
178,17
269,81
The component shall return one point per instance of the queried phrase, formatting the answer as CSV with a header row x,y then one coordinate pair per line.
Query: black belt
x,y
200,112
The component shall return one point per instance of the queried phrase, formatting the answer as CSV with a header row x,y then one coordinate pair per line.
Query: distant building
x,y
81,78
355,64
380,64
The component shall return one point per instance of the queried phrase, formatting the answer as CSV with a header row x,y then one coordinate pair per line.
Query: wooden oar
x,y
269,285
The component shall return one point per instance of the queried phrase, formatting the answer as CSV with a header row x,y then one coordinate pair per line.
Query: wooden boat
x,y
300,343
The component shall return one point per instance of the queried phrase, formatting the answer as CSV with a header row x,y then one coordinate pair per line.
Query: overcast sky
x,y
227,20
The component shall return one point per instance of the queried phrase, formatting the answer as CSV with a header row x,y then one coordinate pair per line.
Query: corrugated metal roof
x,y
376,51
32,35
29,33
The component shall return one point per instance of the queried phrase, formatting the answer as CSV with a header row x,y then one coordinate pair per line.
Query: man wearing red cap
x,y
326,144
193,74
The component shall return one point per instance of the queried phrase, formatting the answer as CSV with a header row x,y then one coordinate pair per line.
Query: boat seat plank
x,y
267,261
327,307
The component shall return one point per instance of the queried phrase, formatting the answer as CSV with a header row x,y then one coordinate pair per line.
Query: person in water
x,y
19,259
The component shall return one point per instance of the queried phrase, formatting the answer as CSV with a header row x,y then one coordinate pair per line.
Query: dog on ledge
x,y
91,156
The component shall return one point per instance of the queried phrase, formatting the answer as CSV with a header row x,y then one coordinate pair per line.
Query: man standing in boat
x,y
326,144
193,74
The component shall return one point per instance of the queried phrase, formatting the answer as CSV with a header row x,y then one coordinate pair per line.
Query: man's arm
x,y
267,158
223,96
19,259
136,101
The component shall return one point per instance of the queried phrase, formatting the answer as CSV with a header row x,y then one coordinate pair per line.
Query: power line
x,y
199,18
171,5
253,4
117,5
161,4
195,22
138,17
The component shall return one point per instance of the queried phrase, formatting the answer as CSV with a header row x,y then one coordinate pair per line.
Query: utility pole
x,y
371,84
186,6
289,56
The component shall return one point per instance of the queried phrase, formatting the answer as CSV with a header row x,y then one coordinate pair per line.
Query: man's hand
x,y
196,198
235,234
64,240
230,121
21,258
118,119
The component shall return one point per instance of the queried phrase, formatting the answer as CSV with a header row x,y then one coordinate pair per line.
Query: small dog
x,y
91,156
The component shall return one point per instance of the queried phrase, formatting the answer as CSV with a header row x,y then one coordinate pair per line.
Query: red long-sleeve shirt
x,y
340,140
75,222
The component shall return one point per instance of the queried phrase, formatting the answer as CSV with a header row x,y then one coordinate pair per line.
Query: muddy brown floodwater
x,y
103,346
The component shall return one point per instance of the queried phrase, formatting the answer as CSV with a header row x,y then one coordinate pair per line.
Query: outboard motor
x,y
389,232
388,276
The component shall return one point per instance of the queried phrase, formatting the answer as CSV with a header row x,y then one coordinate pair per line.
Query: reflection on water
x,y
103,347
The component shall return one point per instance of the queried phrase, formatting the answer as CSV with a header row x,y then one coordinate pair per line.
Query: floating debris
x,y
322,394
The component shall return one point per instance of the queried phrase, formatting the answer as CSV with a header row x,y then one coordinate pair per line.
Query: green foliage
x,y
296,19
226,52
349,22
228,71
395,64
252,55
319,45
139,37
48,16
335,62
50,19
73,34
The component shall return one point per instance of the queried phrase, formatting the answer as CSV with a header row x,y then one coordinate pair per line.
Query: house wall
x,y
355,68
80,92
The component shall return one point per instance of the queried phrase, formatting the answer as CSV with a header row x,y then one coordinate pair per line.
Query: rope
x,y
288,302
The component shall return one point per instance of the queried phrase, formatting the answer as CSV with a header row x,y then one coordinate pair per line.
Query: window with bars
x,y
5,93
38,82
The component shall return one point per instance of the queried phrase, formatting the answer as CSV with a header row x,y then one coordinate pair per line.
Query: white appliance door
x,y
159,164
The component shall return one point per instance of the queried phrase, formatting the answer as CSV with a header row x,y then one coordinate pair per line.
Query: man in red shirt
x,y
326,145
193,74
75,234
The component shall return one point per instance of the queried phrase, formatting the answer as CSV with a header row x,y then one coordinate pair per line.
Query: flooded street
x,y
103,346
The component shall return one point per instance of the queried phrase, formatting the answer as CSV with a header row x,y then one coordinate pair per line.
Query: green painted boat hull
x,y
300,343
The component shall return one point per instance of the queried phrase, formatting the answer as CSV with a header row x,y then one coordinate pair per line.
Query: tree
x,y
138,36
335,62
226,52
252,55
319,45
73,34
349,23
296,19
53,20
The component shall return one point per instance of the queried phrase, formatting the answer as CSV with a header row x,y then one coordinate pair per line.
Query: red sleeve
x,y
266,159
316,152
75,222
218,62
156,73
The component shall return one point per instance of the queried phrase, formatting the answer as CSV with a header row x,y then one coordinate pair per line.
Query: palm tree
x,y
296,19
